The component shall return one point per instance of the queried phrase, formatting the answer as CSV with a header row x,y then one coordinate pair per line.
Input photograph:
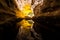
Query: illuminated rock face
x,y
25,8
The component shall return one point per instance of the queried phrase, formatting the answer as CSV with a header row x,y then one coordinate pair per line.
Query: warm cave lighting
x,y
25,8
26,11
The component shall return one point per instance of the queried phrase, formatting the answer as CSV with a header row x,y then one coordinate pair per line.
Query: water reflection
x,y
25,29
26,24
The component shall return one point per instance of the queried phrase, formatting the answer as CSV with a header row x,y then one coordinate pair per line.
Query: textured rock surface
x,y
47,21
49,8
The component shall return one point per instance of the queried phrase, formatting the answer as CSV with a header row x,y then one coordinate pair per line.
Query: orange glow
x,y
25,11
26,24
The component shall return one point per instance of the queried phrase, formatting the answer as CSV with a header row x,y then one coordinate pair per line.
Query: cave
x,y
29,19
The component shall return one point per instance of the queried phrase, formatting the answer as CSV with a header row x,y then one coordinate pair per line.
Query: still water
x,y
25,30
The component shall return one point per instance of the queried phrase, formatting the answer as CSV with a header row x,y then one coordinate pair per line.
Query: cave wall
x,y
48,20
